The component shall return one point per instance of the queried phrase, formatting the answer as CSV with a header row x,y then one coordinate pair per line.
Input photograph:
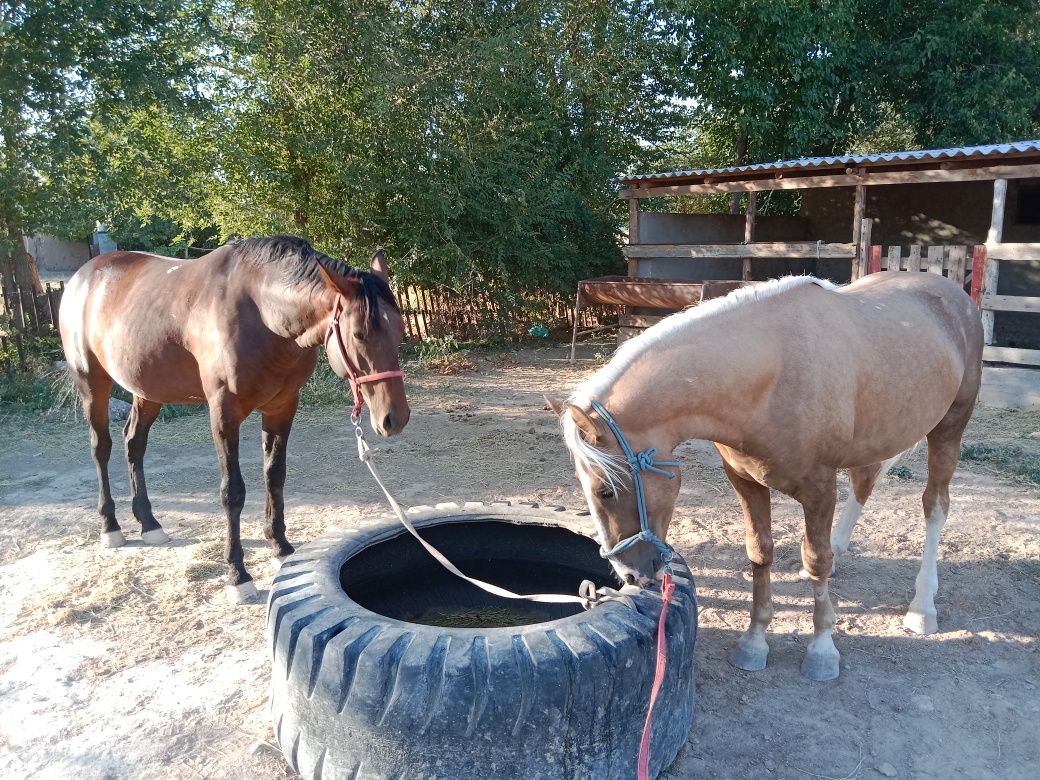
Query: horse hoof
x,y
112,539
242,594
155,536
920,623
750,659
821,667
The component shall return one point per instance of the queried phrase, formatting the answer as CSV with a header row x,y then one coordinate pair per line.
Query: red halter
x,y
352,377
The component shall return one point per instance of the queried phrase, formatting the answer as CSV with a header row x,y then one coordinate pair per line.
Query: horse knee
x,y
232,496
818,562
760,551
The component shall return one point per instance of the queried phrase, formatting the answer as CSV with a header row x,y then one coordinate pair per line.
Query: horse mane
x,y
610,467
298,261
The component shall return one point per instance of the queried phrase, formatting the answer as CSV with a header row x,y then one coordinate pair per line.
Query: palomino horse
x,y
791,380
237,329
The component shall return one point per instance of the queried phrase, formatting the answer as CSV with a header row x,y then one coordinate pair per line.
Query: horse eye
x,y
606,493
359,335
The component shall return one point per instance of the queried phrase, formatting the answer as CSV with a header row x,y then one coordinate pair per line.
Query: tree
x,y
69,72
478,140
783,80
962,72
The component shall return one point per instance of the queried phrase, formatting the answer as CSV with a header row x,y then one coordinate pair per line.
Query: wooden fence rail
x,y
428,314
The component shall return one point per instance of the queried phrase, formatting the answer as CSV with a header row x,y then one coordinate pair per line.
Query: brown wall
x,y
663,228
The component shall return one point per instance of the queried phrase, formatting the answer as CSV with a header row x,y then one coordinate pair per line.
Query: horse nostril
x,y
630,579
657,563
388,422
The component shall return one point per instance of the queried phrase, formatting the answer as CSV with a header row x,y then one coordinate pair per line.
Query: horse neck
x,y
301,314
690,388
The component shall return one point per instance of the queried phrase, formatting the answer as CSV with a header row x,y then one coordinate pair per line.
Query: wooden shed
x,y
970,213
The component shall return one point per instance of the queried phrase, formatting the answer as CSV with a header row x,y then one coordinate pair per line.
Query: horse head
x,y
613,481
362,343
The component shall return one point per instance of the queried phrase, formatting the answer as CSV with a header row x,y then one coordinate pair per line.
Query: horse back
x,y
132,314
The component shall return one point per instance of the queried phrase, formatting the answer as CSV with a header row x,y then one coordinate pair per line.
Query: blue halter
x,y
638,462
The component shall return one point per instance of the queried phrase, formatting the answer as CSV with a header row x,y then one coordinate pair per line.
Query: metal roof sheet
x,y
958,152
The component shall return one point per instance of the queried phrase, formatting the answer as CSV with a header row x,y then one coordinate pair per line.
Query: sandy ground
x,y
129,663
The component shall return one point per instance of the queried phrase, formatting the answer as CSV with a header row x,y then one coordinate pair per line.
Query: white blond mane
x,y
594,460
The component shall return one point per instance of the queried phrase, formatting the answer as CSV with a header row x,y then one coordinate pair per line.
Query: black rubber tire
x,y
357,694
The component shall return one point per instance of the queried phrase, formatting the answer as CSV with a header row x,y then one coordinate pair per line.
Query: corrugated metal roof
x,y
803,163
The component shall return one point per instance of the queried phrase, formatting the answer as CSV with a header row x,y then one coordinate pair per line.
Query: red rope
x,y
667,589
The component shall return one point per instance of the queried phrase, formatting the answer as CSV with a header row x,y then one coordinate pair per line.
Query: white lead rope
x,y
590,594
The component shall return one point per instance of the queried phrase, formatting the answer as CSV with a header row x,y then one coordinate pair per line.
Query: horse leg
x,y
276,425
818,498
225,423
944,446
95,409
752,650
135,435
863,479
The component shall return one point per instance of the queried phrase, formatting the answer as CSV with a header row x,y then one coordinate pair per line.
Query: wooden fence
x,y
31,314
428,314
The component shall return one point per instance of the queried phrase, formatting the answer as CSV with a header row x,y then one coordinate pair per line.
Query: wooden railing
x,y
427,314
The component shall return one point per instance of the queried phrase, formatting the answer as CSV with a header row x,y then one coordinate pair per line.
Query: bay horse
x,y
791,380
237,329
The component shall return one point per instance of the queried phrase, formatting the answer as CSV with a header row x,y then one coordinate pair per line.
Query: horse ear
x,y
585,423
346,286
379,266
555,404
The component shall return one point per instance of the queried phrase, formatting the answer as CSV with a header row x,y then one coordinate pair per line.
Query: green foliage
x,y
324,388
477,141
806,78
74,78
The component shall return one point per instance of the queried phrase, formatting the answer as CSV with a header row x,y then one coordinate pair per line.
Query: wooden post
x,y
935,259
913,263
991,269
895,258
978,271
958,263
874,264
749,234
859,265
858,207
633,232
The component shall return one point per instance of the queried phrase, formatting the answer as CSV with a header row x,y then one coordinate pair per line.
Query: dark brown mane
x,y
299,262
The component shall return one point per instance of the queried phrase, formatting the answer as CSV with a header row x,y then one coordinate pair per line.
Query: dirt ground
x,y
129,663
